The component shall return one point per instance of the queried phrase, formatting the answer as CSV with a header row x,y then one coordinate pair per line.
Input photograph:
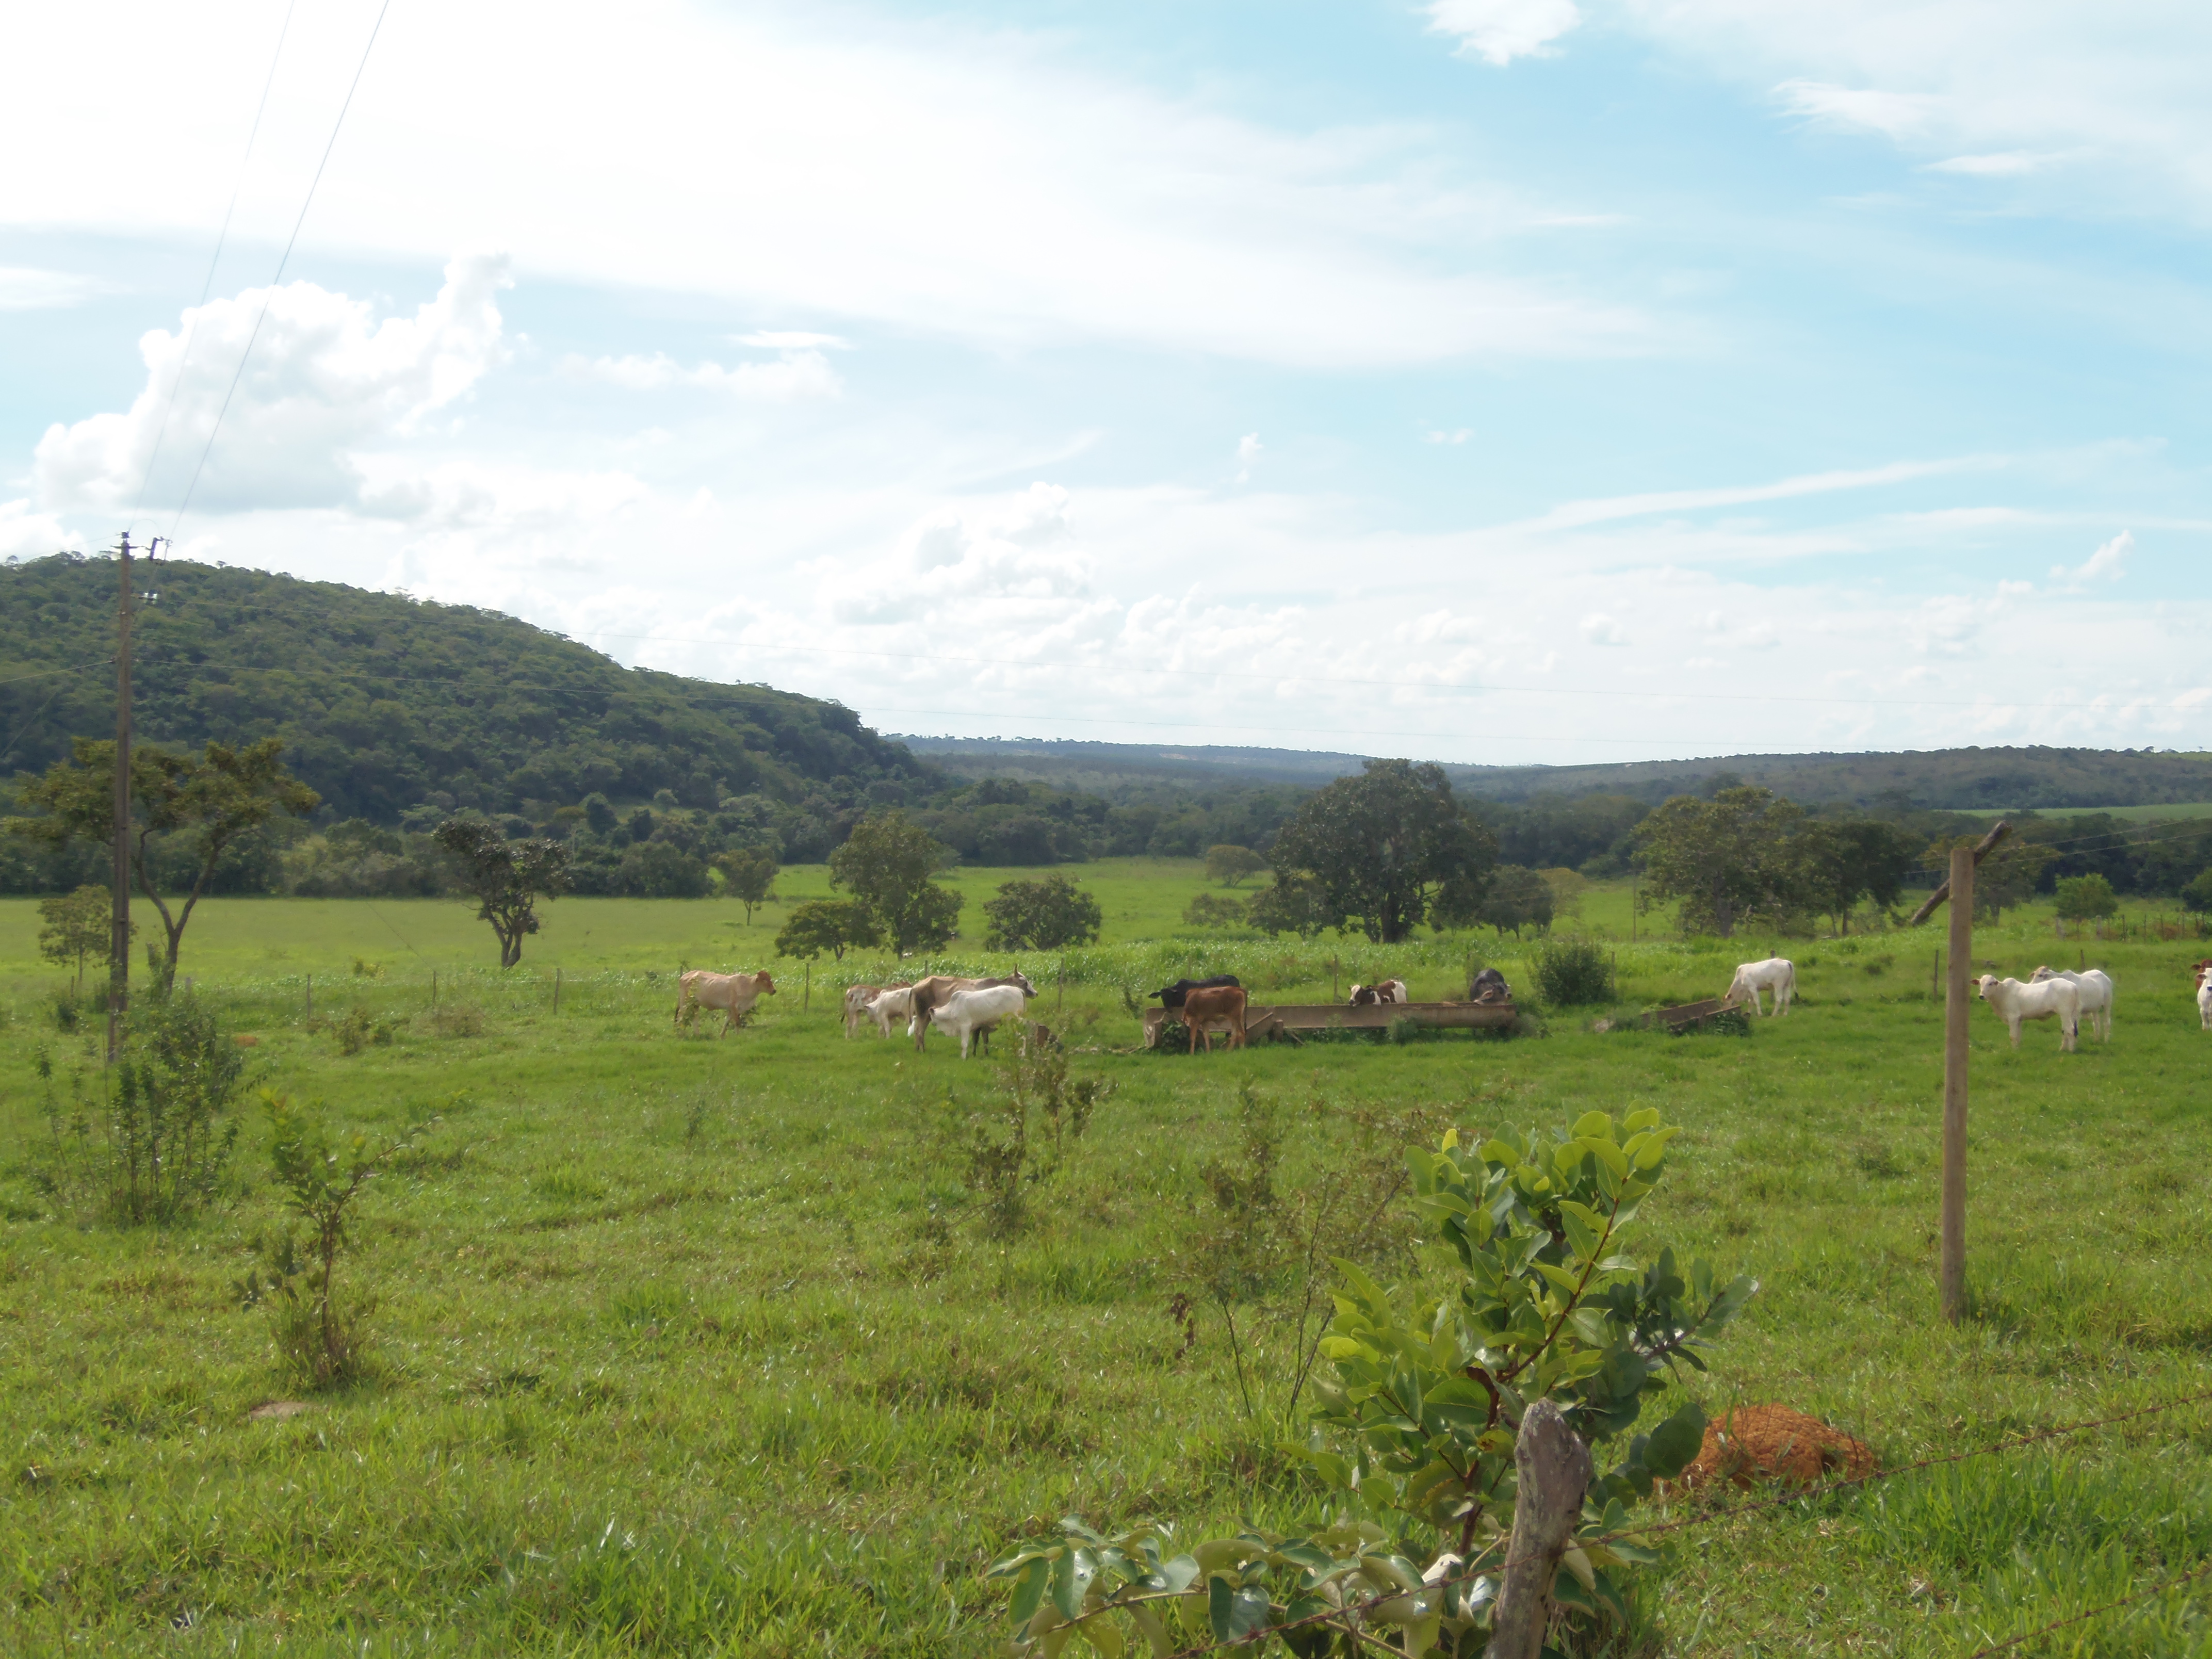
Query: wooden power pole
x,y
1958,1009
118,967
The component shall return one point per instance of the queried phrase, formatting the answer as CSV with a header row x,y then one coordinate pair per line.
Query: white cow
x,y
857,999
2096,987
734,993
1776,974
2204,1004
893,1002
970,1015
2054,999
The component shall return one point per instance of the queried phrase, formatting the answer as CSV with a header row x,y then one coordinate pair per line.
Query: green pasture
x,y
699,1345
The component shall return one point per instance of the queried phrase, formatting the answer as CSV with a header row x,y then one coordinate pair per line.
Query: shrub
x,y
1416,1430
1212,910
322,1341
2085,898
1572,973
2197,895
1042,915
154,1146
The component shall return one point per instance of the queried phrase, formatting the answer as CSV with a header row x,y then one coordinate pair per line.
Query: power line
x,y
269,295
207,286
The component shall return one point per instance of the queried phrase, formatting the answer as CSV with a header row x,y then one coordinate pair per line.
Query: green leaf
x,y
1105,1635
1594,1126
1608,1154
1567,1282
1674,1443
1644,1117
1179,1573
1153,1630
1071,1581
1030,1587
1235,1611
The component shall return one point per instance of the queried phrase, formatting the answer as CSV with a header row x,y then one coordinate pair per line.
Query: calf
x,y
1171,996
2205,1003
929,993
1489,985
2054,999
892,1002
1776,974
2095,986
734,993
857,999
1208,1006
1390,990
971,1014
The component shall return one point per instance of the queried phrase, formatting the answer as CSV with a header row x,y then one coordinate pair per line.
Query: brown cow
x,y
1218,1004
734,993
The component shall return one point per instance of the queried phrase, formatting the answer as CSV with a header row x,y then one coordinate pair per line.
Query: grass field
x,y
691,1345
2196,809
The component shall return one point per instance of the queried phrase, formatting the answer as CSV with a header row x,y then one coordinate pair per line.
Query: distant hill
x,y
1972,779
387,703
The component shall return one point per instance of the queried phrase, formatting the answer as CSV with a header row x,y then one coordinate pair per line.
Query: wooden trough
x,y
1274,1020
1687,1014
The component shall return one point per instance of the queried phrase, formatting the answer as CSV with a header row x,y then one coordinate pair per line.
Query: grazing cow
x,y
734,993
1390,990
1489,985
892,1002
857,999
927,994
1171,996
1776,974
971,1014
1209,1005
2053,999
2096,987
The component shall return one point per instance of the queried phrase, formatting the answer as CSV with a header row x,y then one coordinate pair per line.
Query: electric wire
x,y
270,294
207,286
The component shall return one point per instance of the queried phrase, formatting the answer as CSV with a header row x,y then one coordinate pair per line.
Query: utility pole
x,y
118,968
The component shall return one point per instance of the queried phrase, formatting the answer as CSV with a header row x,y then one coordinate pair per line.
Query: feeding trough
x,y
1287,1018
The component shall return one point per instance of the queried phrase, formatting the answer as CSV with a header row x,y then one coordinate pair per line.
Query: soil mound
x,y
1773,1442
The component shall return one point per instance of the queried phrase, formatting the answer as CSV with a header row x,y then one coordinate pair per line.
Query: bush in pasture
x,y
79,926
2085,898
357,1028
1572,973
832,925
324,1342
1009,1151
1416,1419
155,1145
1212,910
1229,863
1042,915
2197,895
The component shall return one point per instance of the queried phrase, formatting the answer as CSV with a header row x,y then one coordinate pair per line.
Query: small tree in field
x,y
886,864
2085,898
1390,848
748,876
506,878
1229,863
212,798
79,925
2197,895
832,925
1042,915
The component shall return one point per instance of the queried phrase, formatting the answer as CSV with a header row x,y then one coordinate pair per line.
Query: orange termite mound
x,y
1752,1443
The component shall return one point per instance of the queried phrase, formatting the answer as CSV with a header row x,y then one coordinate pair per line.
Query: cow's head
x,y
766,985
1023,979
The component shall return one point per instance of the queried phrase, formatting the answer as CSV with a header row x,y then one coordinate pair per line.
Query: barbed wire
x,y
2061,1624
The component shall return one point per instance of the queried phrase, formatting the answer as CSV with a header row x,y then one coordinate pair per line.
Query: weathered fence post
x,y
557,989
1059,996
1554,1470
807,992
434,990
1957,1009
310,981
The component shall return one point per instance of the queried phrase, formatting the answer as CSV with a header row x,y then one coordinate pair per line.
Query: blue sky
x,y
1487,380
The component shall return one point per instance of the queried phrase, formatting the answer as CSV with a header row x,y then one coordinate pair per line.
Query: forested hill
x,y
387,703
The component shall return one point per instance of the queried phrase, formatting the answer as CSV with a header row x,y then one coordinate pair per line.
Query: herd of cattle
x,y
969,1009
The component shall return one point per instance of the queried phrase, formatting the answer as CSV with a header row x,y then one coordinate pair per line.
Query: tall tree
x,y
1518,897
506,878
1229,864
1841,862
832,925
1729,860
886,864
1391,848
211,800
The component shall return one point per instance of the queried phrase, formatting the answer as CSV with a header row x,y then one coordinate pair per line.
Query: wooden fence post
x,y
1059,996
557,989
310,979
434,990
807,992
1957,1007
1554,1470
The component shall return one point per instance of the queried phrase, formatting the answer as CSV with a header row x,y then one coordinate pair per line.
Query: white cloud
x,y
1460,437
2013,164
785,339
1575,513
1499,31
2105,563
324,379
1893,114
990,186
797,374
26,288
1248,451
1599,629
27,535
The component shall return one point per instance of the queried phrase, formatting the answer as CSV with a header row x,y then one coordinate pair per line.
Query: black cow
x,y
1171,996
1490,986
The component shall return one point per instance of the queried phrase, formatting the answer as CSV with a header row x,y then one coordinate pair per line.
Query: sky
x,y
1480,380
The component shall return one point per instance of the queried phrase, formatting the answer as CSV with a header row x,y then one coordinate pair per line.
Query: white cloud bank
x,y
324,379
1499,31
2107,563
798,373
